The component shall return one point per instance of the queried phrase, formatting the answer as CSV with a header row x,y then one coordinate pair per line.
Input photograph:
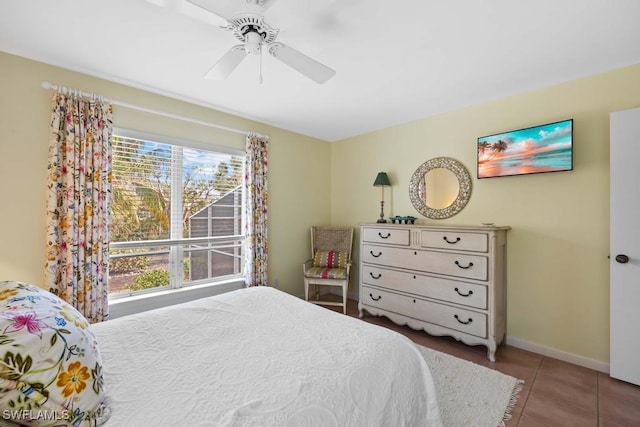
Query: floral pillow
x,y
330,259
50,366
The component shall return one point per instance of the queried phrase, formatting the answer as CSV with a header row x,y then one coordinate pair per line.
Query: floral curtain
x,y
256,198
78,197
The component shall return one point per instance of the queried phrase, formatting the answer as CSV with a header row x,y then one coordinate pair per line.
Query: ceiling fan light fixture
x,y
253,43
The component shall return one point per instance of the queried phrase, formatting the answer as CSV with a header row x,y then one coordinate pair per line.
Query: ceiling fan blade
x,y
223,8
227,63
190,10
300,62
230,8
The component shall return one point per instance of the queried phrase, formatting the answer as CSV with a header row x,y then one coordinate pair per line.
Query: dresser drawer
x,y
450,264
456,292
447,316
475,242
389,236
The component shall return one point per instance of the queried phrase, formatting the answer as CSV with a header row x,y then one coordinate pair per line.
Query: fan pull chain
x,y
260,79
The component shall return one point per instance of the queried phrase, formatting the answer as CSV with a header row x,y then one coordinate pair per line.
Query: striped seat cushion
x,y
330,259
327,273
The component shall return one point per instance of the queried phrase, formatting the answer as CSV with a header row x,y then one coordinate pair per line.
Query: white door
x,y
625,245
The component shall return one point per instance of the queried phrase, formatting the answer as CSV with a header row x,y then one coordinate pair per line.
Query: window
x,y
176,214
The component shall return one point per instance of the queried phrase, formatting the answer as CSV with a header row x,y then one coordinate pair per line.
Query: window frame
x,y
176,245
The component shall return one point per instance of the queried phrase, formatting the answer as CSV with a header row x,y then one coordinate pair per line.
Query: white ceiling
x,y
396,61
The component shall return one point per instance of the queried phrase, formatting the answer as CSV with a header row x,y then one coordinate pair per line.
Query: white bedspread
x,y
261,357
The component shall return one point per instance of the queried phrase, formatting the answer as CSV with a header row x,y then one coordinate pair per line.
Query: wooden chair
x,y
330,262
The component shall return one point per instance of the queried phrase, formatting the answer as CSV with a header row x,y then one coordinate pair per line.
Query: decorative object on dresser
x,y
330,263
440,188
401,219
446,280
382,180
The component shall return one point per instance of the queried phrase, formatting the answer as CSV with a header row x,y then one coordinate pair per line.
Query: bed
x,y
259,357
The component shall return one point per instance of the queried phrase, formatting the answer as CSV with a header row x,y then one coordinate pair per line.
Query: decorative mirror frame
x,y
417,191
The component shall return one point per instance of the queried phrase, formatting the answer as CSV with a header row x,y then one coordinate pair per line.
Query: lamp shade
x,y
382,180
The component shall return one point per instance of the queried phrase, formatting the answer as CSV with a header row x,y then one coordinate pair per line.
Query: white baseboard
x,y
576,359
543,350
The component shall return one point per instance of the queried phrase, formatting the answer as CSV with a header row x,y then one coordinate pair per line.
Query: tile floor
x,y
555,393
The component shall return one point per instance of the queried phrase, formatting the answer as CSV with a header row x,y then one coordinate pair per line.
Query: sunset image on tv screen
x,y
544,148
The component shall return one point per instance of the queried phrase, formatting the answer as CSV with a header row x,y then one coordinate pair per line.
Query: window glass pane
x,y
141,190
205,261
138,273
211,183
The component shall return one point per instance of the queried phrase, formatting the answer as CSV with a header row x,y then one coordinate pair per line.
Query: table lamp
x,y
382,180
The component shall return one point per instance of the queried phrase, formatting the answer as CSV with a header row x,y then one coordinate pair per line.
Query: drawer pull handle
x,y
451,242
375,277
384,237
464,295
376,256
375,299
463,267
464,323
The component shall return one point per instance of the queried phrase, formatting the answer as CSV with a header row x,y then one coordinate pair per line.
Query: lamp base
x,y
381,220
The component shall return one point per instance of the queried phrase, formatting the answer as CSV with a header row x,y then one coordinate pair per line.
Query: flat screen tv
x,y
538,149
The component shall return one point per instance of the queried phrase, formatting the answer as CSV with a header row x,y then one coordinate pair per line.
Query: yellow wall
x,y
558,271
297,200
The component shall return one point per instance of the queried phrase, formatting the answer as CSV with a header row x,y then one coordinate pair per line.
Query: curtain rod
x,y
47,85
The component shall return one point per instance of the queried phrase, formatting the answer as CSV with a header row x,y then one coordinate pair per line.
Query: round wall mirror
x,y
443,188
440,188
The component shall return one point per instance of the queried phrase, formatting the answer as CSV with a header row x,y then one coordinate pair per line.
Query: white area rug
x,y
470,394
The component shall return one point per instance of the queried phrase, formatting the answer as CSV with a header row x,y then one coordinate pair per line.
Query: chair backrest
x,y
332,239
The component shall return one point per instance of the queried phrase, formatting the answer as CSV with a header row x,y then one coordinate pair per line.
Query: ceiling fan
x,y
245,21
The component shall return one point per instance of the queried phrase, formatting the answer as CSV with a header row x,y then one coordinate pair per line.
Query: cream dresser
x,y
447,280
